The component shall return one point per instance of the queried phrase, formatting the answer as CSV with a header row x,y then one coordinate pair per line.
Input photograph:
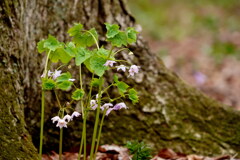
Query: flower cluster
x,y
132,70
62,122
107,106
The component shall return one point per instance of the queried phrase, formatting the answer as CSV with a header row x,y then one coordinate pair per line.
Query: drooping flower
x,y
120,106
56,118
72,80
200,78
106,106
50,73
75,114
56,74
67,117
61,123
108,111
133,69
121,67
109,63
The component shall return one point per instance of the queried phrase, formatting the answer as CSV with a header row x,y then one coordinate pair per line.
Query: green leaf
x,y
122,87
112,30
51,43
131,35
97,65
71,49
64,77
133,95
78,94
86,39
64,85
103,52
48,84
96,82
75,30
82,54
115,78
60,54
40,46
119,39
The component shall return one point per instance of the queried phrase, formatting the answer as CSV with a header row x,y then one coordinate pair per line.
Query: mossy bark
x,y
170,113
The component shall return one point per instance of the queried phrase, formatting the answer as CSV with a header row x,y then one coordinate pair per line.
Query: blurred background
x,y
197,39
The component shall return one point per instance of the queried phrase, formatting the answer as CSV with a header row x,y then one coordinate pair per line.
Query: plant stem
x,y
96,121
99,132
60,144
42,125
42,109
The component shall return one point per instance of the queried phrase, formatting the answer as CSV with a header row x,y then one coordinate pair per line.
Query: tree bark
x,y
170,113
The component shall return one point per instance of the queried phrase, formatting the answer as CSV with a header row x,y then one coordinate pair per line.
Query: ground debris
x,y
115,152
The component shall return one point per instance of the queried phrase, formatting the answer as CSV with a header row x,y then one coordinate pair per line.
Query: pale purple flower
x,y
61,123
93,104
109,63
108,111
67,117
200,78
75,114
42,75
56,118
121,67
50,73
56,74
106,106
72,80
120,106
133,69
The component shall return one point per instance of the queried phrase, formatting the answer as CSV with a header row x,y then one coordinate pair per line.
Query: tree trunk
x,y
170,113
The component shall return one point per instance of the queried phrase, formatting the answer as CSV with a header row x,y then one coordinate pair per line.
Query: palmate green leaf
x,y
112,30
64,85
119,39
60,54
40,46
96,82
122,87
64,77
132,95
48,84
131,35
115,78
51,43
85,39
78,94
75,30
102,52
70,49
82,54
97,65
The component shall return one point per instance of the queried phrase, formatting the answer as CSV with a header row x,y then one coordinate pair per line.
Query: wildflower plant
x,y
84,50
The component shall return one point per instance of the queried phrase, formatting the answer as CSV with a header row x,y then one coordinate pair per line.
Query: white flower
x,y
75,114
106,106
93,104
61,123
121,67
56,118
56,74
71,80
50,73
67,117
109,63
133,69
108,111
120,106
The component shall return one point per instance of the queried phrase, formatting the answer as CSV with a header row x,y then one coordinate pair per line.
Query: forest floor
x,y
114,152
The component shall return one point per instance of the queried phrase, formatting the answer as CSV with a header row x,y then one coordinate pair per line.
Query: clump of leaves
x,y
139,150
